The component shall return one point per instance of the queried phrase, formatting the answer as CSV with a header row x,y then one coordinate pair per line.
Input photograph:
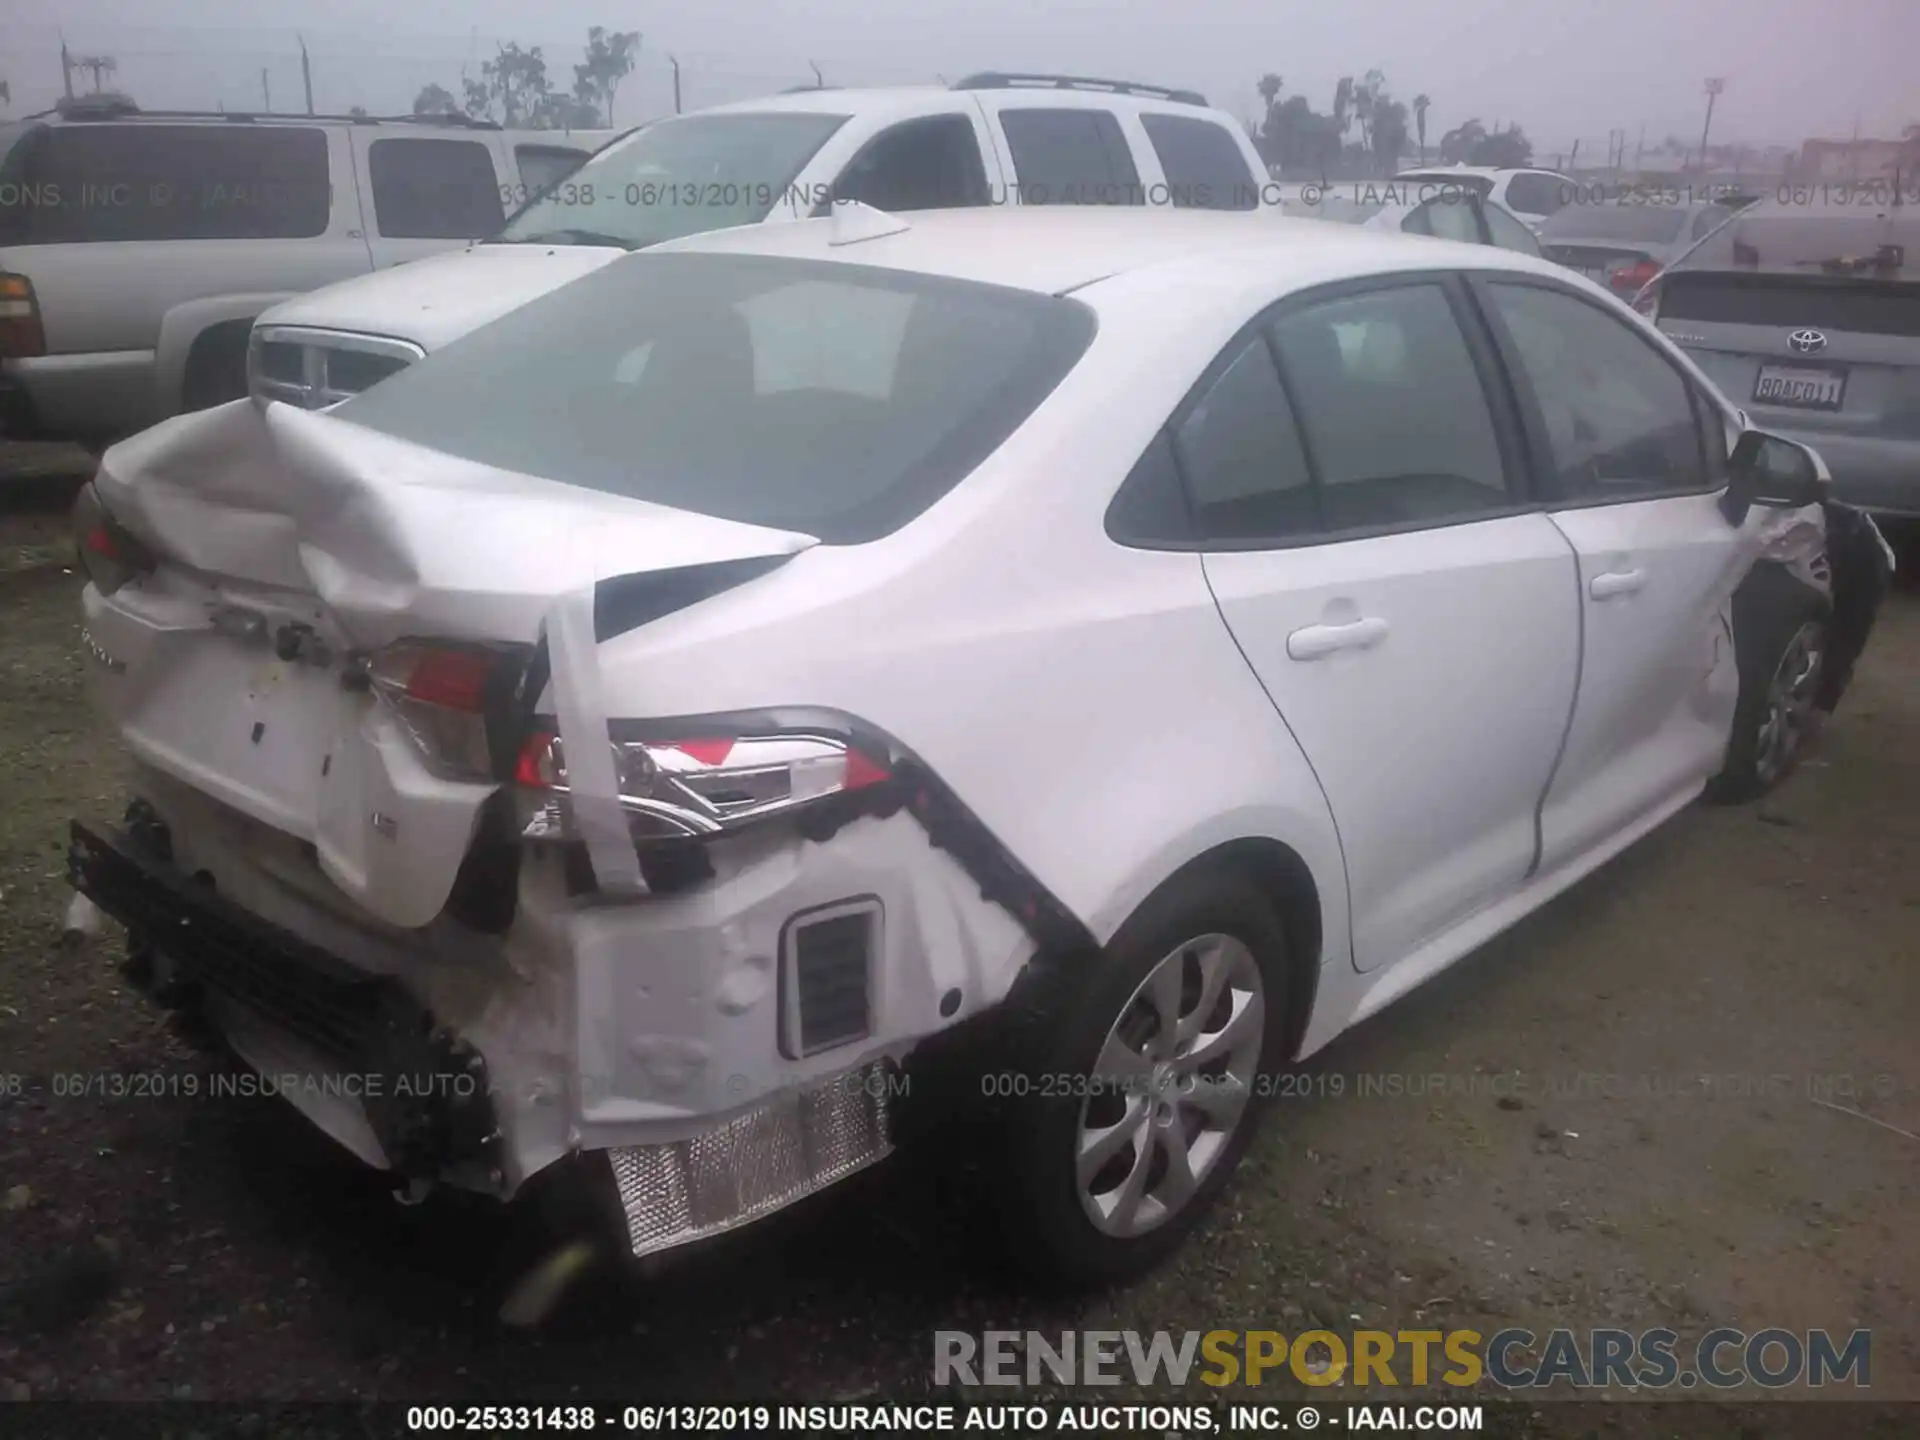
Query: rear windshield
x,y
836,400
678,177
1841,240
1647,224
62,184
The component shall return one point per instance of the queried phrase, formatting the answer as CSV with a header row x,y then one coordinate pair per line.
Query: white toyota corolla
x,y
1072,661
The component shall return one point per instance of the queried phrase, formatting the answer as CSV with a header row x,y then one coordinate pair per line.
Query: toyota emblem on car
x,y
1807,342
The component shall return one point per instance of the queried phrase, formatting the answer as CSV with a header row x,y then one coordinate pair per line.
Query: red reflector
x,y
862,771
101,542
452,679
526,770
1630,280
707,752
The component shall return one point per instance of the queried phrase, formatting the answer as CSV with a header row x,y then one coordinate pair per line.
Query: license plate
x,y
1797,387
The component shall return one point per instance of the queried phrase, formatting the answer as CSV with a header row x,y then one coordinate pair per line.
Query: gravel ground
x,y
1664,1150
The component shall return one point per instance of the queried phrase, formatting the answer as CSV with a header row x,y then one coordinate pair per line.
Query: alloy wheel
x,y
1790,696
1171,1086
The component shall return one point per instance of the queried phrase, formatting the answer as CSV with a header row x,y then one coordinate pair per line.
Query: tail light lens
x,y
441,693
1630,280
109,555
700,786
21,335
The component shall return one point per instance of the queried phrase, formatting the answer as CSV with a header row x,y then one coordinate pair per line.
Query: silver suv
x,y
136,247
1805,309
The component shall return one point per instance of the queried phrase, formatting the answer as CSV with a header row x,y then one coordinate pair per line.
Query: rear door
x,y
1633,477
1203,165
1064,154
428,193
1357,478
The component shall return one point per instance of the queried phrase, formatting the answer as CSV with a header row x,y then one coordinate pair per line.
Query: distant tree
x,y
1506,148
6,95
359,112
435,100
1299,138
1389,129
512,88
1461,141
609,60
1343,104
100,65
1269,88
1420,104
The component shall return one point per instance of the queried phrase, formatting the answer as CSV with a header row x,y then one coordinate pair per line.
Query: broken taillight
x,y
703,785
441,692
110,556
21,334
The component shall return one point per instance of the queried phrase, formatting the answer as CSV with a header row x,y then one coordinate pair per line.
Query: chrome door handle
x,y
1318,640
1616,582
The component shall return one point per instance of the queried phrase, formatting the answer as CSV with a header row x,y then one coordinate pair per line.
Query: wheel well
x,y
225,340
1277,872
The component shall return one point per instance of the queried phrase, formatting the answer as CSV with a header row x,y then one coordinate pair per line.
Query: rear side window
x,y
1447,217
86,182
1537,194
1204,167
434,189
836,400
1246,474
544,165
1394,413
927,164
1071,157
1619,419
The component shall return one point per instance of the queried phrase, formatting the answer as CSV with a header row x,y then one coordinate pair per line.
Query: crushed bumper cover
x,y
430,1102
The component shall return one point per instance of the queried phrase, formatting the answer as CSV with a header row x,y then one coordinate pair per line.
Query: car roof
x,y
1056,249
882,99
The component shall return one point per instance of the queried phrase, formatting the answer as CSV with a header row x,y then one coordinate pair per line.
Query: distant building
x,y
1843,160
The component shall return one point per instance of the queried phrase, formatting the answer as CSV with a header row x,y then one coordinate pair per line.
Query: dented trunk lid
x,y
266,519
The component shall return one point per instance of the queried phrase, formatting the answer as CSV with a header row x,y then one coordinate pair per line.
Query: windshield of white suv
x,y
677,177
835,400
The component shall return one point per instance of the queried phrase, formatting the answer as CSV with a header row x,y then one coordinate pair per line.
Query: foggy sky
x,y
1564,69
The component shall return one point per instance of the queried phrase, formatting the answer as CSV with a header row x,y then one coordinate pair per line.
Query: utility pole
x,y
66,68
1714,87
1640,147
818,82
676,83
266,94
306,72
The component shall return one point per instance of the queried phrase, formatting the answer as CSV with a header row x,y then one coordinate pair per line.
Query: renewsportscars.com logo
x,y
1514,1359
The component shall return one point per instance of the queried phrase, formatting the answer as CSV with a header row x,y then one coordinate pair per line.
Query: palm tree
x,y
1343,103
1420,104
1269,88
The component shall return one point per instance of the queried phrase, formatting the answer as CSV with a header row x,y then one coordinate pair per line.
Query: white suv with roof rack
x,y
991,139
137,246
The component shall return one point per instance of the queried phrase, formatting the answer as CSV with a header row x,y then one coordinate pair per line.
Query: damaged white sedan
x,y
1071,662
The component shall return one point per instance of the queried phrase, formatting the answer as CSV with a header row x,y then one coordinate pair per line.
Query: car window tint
x,y
1151,507
1395,416
1240,453
1071,157
434,189
542,165
816,335
143,181
1204,167
927,164
1536,194
1618,420
1507,232
1450,217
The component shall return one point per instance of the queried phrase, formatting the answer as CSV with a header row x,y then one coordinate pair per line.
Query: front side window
x,y
433,189
678,177
927,164
1071,157
142,181
1204,167
1395,417
836,400
1619,422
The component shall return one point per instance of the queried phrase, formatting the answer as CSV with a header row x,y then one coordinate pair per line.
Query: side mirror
x,y
1772,470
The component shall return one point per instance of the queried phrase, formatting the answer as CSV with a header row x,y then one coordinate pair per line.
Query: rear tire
x,y
1781,639
1160,1056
